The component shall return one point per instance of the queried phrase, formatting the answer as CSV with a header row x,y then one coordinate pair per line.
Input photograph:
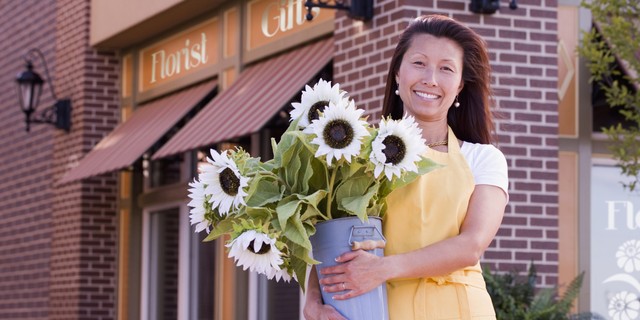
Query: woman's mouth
x,y
425,95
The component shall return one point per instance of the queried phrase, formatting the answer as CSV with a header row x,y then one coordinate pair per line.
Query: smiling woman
x,y
439,75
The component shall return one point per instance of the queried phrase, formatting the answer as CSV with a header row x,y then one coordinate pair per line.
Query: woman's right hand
x,y
320,311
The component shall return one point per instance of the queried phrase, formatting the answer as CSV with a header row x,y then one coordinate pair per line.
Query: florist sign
x,y
615,248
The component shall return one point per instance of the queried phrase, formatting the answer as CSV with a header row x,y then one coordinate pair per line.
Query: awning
x,y
258,94
129,140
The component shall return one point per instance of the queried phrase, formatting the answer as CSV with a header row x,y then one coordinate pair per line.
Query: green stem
x,y
330,186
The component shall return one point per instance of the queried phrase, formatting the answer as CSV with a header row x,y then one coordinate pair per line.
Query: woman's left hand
x,y
358,272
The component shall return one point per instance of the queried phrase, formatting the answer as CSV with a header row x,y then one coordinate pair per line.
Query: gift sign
x,y
271,20
615,246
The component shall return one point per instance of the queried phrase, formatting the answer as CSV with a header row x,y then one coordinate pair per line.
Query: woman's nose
x,y
428,78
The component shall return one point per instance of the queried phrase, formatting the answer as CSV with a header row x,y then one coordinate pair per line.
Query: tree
x,y
614,40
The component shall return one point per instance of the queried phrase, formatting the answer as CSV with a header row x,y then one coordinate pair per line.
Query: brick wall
x,y
25,165
83,263
522,45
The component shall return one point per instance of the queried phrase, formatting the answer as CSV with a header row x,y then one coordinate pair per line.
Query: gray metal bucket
x,y
333,238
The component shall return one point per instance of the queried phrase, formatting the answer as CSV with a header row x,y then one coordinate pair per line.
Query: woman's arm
x,y
363,272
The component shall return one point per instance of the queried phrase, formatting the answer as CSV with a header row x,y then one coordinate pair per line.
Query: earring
x,y
397,92
457,103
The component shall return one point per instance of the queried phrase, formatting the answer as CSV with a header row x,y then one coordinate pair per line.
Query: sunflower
x,y
339,131
257,252
198,206
397,147
314,101
223,182
278,274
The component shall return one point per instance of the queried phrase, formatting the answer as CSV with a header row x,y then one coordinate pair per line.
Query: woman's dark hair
x,y
471,121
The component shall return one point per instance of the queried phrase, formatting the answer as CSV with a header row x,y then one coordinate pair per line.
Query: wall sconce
x,y
29,90
489,6
358,10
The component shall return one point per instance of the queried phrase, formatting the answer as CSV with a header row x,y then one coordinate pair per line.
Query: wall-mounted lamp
x,y
358,9
29,90
489,6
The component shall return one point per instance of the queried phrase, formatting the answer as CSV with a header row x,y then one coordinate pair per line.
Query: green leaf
x,y
261,213
286,209
263,190
358,205
355,186
221,228
296,232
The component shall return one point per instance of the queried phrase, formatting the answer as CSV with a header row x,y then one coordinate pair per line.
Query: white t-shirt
x,y
488,164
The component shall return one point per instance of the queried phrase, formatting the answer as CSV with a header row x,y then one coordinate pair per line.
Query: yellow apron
x,y
424,212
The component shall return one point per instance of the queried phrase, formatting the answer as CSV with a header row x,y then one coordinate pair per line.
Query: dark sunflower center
x,y
229,182
394,149
316,108
338,134
264,248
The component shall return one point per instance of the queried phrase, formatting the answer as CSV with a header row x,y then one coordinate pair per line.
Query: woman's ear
x,y
461,86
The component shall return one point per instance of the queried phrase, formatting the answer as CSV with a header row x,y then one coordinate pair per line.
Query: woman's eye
x,y
419,63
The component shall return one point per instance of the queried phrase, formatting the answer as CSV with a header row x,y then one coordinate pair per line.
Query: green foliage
x,y
515,297
616,39
289,194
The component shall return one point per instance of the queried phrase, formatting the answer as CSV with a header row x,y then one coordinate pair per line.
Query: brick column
x,y
83,258
25,164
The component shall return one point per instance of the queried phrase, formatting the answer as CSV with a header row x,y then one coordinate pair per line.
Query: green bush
x,y
516,297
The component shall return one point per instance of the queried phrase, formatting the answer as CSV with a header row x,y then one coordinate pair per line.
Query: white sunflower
x,y
223,182
278,274
315,100
257,252
198,208
339,131
397,147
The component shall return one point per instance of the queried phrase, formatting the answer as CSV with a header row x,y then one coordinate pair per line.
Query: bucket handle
x,y
367,244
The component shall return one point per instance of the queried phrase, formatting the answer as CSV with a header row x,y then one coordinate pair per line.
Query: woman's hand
x,y
320,311
357,273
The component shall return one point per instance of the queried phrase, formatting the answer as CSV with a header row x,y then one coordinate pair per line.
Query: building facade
x,y
95,221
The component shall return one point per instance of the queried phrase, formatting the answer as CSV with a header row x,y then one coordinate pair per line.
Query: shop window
x,y
614,267
163,172
163,264
605,115
203,277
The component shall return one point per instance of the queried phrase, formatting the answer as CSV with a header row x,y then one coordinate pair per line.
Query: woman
x,y
438,227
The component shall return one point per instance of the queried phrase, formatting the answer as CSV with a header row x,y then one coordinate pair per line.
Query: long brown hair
x,y
472,121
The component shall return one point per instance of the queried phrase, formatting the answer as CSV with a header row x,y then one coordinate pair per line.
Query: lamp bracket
x,y
358,9
58,115
489,6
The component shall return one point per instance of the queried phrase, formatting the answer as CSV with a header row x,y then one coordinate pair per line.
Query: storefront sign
x,y
179,55
272,20
615,246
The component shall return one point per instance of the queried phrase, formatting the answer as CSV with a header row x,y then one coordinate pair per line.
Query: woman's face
x,y
430,77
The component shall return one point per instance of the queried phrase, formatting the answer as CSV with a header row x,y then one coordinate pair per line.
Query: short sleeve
x,y
488,165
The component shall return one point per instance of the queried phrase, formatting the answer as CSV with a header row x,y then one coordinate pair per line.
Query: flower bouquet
x,y
330,163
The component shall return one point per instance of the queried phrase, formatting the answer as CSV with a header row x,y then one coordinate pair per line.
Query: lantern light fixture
x,y
358,9
489,6
29,90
